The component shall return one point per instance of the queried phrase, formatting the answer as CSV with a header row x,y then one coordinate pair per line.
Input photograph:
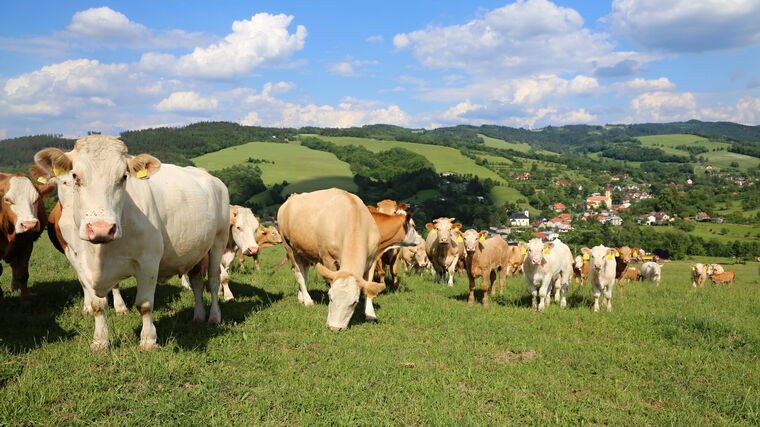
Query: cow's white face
x,y
579,262
21,198
472,239
344,295
535,251
601,255
244,225
444,227
421,258
99,168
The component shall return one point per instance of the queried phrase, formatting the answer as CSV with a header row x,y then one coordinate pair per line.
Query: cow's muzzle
x,y
251,250
101,232
25,226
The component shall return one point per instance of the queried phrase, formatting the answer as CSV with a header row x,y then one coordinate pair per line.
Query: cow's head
x,y
600,256
344,293
420,257
473,240
99,168
18,198
243,225
536,249
268,236
624,254
443,228
391,207
578,262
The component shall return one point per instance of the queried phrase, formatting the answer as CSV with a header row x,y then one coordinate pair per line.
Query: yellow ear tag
x,y
42,180
617,254
586,257
482,239
547,250
523,251
693,268
58,171
609,257
142,173
460,239
432,231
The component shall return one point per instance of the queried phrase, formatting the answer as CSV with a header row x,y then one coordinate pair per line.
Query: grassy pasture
x,y
717,158
303,168
665,355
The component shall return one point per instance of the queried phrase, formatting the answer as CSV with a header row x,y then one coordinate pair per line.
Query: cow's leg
x,y
544,298
196,280
256,262
241,258
224,275
98,306
369,310
608,295
534,294
301,271
471,297
488,282
118,301
565,282
394,274
20,269
185,282
146,292
502,279
596,291
1,273
380,268
452,270
87,306
214,276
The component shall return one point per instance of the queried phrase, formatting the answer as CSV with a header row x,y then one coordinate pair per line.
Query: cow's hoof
x,y
371,319
308,303
87,309
228,299
121,310
486,304
148,345
99,347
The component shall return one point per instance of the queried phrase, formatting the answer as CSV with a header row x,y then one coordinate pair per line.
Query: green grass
x,y
735,231
303,168
500,143
665,355
445,159
721,158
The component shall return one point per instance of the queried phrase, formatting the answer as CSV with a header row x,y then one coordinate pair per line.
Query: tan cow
x,y
415,258
631,274
515,257
443,249
22,218
580,268
334,230
727,277
622,260
484,258
387,261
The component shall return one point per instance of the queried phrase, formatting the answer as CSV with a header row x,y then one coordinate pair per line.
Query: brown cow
x,y
22,218
515,258
727,277
56,237
622,259
580,267
631,274
266,237
390,257
484,258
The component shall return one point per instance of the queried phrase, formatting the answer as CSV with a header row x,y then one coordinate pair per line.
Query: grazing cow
x,y
443,248
602,273
580,268
631,274
334,230
415,258
125,211
698,274
714,269
546,263
22,218
484,258
622,260
59,241
266,237
651,271
727,277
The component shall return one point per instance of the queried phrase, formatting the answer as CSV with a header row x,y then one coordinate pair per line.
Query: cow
x,y
390,257
443,248
266,237
631,274
545,263
651,271
333,229
59,242
622,260
602,273
126,212
414,258
242,236
515,257
22,219
727,277
484,258
714,269
580,268
698,274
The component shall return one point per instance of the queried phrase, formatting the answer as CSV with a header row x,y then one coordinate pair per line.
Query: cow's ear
x,y
548,245
53,161
40,174
143,165
325,272
45,190
372,209
452,220
483,235
585,250
456,226
402,206
430,226
371,289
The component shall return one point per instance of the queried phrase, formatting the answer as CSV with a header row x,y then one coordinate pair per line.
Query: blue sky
x,y
69,67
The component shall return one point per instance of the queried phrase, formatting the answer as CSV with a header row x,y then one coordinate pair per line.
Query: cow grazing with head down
x,y
484,258
444,248
725,278
546,263
125,211
651,271
22,218
334,230
602,274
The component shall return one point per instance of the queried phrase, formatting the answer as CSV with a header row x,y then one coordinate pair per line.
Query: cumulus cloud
x,y
639,85
349,67
186,101
625,67
687,25
263,40
106,23
664,107
580,116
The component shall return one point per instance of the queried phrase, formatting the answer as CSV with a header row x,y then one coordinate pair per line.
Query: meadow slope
x,y
665,355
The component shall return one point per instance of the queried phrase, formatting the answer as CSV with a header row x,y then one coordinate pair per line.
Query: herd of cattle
x,y
121,216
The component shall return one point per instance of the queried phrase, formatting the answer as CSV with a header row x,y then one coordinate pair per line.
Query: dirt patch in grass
x,y
509,356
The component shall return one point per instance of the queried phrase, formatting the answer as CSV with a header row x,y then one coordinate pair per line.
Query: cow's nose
x,y
251,250
101,232
29,225
597,266
335,328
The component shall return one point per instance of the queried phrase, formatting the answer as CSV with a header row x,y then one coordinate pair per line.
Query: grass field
x,y
500,143
735,231
717,158
665,355
305,169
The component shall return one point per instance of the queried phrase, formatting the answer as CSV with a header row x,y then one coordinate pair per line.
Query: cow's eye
x,y
77,179
124,177
238,228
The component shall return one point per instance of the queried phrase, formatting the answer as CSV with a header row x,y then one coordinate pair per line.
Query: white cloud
x,y
186,101
639,85
580,116
263,40
106,23
688,25
375,39
664,107
78,77
349,67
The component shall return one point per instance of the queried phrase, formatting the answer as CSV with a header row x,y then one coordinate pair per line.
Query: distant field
x,y
305,169
735,231
500,143
503,194
717,158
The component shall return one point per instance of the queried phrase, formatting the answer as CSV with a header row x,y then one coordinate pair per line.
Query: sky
x,y
77,66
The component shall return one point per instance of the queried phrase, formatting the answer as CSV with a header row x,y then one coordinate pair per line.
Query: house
x,y
562,182
557,207
519,220
523,176
596,200
702,217
653,218
614,220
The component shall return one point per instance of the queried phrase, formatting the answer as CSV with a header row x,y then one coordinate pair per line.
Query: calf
x,y
242,237
602,273
727,277
631,274
22,218
580,268
698,274
443,248
714,269
651,271
266,237
484,258
414,258
546,263
515,256
387,261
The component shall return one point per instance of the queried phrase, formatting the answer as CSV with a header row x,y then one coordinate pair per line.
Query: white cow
x,y
601,274
443,248
137,217
544,261
698,274
714,269
651,271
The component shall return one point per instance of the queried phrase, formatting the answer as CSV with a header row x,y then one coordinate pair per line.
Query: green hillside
x,y
303,168
722,158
